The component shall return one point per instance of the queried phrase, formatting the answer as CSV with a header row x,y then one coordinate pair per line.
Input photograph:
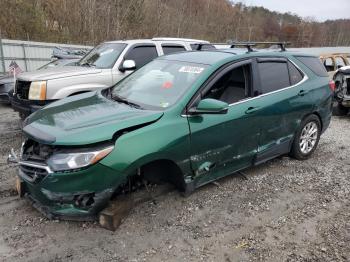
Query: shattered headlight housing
x,y
69,161
37,90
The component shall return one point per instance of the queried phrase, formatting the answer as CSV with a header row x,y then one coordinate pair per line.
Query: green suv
x,y
187,119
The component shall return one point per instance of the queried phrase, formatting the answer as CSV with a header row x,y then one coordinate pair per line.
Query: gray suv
x,y
102,67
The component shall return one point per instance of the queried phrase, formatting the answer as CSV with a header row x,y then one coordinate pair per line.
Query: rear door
x,y
283,99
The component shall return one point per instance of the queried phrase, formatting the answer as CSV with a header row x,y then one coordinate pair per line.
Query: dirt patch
x,y
287,210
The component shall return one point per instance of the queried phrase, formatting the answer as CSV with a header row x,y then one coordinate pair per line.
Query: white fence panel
x,y
27,54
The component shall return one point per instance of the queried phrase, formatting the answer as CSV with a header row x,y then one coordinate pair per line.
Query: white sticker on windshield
x,y
191,69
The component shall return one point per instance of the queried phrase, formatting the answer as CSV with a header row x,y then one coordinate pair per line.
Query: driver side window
x,y
233,86
142,55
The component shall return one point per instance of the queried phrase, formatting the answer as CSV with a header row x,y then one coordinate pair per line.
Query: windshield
x,y
158,84
103,56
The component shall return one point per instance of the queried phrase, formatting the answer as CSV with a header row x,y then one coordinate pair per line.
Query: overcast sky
x,y
321,10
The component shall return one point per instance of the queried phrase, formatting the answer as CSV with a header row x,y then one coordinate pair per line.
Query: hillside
x,y
93,21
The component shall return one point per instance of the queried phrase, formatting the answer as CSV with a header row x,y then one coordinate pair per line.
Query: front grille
x,y
348,86
22,89
35,152
36,174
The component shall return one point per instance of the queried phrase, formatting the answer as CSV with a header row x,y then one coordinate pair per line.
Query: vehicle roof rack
x,y
281,45
250,45
199,45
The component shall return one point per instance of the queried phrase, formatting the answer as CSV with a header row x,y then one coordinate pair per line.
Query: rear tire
x,y
340,110
306,138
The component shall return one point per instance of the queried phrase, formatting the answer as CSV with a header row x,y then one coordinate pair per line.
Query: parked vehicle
x,y
342,91
333,62
69,53
6,87
59,63
7,82
187,119
104,66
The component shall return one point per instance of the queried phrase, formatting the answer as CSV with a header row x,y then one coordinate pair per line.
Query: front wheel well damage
x,y
152,173
164,171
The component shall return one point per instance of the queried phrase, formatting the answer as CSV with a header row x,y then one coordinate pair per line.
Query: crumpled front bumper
x,y
77,195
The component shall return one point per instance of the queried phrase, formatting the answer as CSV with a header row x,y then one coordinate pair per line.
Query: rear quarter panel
x,y
320,93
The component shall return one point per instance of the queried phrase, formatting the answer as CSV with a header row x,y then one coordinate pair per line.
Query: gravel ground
x,y
287,210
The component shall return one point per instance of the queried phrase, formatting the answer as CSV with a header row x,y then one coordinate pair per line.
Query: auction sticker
x,y
191,69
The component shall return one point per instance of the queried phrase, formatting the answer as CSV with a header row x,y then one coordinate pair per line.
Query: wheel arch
x,y
158,170
319,118
164,170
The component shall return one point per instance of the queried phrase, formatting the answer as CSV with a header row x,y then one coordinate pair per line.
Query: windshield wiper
x,y
125,101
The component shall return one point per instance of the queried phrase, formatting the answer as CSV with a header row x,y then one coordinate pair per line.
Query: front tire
x,y
306,139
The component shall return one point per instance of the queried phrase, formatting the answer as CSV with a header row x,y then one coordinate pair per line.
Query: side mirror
x,y
128,65
210,106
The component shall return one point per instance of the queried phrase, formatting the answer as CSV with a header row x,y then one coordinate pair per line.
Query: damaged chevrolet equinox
x,y
186,119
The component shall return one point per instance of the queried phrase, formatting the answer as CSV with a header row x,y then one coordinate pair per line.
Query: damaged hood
x,y
57,72
84,119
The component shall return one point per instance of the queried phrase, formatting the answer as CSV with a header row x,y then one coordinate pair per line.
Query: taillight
x,y
332,85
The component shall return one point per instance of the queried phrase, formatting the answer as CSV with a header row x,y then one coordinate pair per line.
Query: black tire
x,y
340,110
296,151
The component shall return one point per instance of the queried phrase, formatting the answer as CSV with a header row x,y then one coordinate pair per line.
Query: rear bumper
x,y
27,107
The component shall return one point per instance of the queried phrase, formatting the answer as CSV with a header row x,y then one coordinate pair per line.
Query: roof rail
x,y
178,39
249,45
282,45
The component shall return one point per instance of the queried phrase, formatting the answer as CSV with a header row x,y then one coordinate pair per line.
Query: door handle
x,y
302,92
251,110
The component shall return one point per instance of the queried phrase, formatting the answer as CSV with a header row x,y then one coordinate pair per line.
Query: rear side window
x,y
295,75
273,76
339,61
314,64
169,49
142,55
328,64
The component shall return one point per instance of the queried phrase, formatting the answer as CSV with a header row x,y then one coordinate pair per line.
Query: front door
x,y
224,143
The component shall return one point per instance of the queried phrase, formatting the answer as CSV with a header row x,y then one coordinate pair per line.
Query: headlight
x,y
37,90
67,161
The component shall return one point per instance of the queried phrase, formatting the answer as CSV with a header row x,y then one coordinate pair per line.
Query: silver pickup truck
x,y
102,67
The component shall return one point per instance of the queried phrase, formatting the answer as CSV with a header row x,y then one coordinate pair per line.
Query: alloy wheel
x,y
308,137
